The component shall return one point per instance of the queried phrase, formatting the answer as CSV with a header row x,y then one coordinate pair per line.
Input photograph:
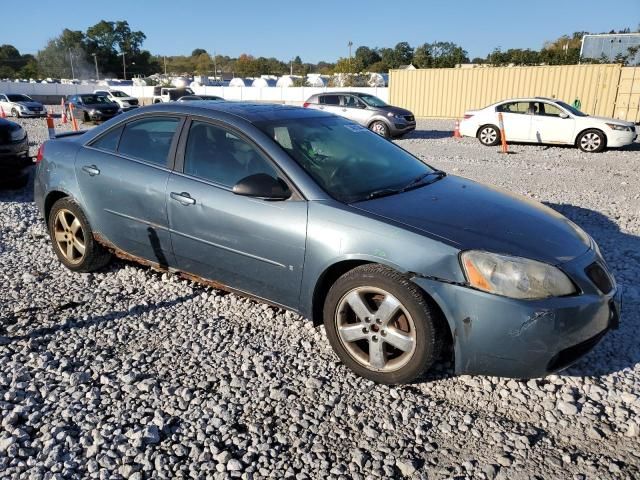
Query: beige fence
x,y
608,90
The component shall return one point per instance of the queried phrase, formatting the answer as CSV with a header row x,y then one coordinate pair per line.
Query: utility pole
x,y
215,67
165,65
73,75
291,67
124,67
95,60
350,44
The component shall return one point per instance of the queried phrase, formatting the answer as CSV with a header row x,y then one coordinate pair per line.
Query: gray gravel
x,y
129,373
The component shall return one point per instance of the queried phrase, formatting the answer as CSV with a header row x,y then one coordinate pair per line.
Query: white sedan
x,y
546,121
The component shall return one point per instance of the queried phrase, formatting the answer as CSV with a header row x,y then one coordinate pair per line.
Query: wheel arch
x,y
51,198
379,119
584,130
488,124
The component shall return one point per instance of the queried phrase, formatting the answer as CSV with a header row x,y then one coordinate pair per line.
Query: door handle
x,y
344,109
91,170
184,198
321,107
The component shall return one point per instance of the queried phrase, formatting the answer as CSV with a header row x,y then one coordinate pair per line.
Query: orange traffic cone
x,y
64,111
2,114
456,130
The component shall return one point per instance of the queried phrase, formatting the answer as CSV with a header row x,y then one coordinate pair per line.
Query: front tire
x,y
15,113
381,326
72,238
380,128
592,141
489,135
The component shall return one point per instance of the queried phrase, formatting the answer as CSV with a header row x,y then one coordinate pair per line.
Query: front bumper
x,y
30,114
617,139
505,337
100,116
401,128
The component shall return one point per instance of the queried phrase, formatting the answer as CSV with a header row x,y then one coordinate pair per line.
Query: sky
x,y
321,30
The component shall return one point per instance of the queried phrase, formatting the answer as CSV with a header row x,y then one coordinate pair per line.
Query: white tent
x,y
378,80
180,82
287,81
263,82
239,82
315,81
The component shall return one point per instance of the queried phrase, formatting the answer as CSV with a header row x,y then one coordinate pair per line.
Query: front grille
x,y
599,277
35,109
133,102
409,118
566,357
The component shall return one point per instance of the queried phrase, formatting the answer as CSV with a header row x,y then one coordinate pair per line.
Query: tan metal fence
x,y
608,90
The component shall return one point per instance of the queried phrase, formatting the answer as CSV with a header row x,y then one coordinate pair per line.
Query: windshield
x,y
572,110
93,99
372,101
118,93
347,160
19,98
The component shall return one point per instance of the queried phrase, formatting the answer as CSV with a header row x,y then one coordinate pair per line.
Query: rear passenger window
x,y
330,100
109,141
149,139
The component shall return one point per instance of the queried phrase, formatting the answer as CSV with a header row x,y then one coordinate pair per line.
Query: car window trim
x,y
171,155
296,194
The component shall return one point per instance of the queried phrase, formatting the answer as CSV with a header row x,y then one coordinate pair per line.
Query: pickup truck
x,y
169,94
117,96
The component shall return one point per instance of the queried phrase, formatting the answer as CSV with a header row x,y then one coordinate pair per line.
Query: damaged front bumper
x,y
505,337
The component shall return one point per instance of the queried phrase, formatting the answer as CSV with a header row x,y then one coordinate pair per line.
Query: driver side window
x,y
217,155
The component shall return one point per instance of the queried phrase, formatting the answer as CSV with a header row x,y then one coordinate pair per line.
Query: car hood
x,y
609,120
29,104
395,110
101,106
470,215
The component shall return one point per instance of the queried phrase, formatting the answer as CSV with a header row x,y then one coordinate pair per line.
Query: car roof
x,y
251,112
529,99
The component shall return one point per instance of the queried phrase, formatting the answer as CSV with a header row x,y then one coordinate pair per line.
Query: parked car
x,y
124,101
189,98
15,162
169,94
367,110
546,121
314,213
91,107
20,105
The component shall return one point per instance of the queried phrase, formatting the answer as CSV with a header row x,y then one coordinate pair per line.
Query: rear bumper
x,y
14,161
504,337
468,129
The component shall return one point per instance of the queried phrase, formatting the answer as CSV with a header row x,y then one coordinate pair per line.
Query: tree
x,y
422,56
365,57
197,52
403,54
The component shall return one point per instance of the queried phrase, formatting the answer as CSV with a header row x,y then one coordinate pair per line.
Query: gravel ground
x,y
129,373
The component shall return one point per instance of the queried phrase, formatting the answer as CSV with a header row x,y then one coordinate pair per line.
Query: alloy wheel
x,y
488,136
590,142
375,329
69,236
379,128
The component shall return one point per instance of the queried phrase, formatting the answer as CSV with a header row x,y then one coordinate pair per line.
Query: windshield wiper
x,y
419,180
384,192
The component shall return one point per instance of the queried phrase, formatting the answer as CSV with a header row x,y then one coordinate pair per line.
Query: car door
x,y
354,109
517,120
123,176
5,104
331,103
253,245
551,124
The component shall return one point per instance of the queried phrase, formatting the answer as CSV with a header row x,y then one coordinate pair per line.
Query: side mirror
x,y
261,185
564,115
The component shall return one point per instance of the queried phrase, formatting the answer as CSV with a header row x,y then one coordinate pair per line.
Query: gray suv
x,y
367,110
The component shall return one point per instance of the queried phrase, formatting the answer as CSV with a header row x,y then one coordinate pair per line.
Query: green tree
x,y
197,52
365,57
403,53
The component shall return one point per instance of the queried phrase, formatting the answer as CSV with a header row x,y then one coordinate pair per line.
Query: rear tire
x,y
489,135
380,128
591,141
72,238
381,326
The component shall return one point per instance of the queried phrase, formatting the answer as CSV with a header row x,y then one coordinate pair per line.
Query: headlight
x,y
514,277
18,134
620,128
93,111
395,115
23,107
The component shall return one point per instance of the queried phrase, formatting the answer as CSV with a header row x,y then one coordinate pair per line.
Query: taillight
x,y
467,116
306,104
40,155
